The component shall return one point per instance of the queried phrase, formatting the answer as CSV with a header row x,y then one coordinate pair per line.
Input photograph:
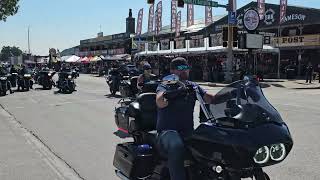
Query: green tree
x,y
8,51
8,8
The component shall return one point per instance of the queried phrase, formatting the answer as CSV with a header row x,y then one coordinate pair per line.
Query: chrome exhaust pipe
x,y
121,175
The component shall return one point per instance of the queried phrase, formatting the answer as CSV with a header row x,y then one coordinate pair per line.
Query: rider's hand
x,y
173,94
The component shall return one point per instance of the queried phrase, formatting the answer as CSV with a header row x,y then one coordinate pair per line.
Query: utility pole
x,y
231,10
28,39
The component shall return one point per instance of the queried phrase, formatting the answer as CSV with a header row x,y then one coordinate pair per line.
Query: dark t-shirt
x,y
178,115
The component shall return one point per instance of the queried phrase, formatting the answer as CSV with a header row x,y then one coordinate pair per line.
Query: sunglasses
x,y
182,67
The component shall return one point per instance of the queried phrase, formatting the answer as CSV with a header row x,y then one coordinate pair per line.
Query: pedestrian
x,y
309,73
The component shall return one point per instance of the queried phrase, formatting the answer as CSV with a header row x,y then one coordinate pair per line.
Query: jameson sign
x,y
208,15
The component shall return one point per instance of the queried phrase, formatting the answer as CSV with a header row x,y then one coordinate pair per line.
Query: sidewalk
x,y
19,159
281,83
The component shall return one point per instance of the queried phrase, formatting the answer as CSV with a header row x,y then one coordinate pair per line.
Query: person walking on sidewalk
x,y
309,73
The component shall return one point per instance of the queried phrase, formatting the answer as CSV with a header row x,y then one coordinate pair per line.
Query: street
x,y
78,128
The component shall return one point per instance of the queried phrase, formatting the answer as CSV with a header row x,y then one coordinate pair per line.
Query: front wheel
x,y
261,176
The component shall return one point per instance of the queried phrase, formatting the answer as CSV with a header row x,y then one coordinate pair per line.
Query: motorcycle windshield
x,y
243,102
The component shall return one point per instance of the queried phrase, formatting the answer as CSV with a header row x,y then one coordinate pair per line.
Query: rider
x,y
175,117
4,72
21,73
145,77
62,75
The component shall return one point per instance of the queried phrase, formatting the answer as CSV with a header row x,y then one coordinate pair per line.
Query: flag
x,y
208,15
173,14
283,10
261,8
139,22
190,15
151,19
159,16
178,24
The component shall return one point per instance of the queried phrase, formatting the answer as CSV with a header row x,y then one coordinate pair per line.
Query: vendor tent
x,y
72,59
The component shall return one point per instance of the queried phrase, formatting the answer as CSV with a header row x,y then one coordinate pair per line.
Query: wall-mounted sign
x,y
180,43
165,44
294,41
251,20
215,40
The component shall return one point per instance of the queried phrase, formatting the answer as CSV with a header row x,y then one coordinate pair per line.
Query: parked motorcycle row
x,y
44,78
236,138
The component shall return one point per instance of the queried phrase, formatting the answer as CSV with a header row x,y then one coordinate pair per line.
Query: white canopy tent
x,y
72,59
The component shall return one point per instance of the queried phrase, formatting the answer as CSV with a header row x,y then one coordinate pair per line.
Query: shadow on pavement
x,y
110,96
278,85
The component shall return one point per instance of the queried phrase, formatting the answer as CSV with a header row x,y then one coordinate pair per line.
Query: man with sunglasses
x,y
175,117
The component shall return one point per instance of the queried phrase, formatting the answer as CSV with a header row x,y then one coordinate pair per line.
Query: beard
x,y
184,76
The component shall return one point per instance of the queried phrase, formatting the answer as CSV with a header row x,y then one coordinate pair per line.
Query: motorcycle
x,y
3,85
25,82
75,73
45,79
66,83
113,82
127,86
238,136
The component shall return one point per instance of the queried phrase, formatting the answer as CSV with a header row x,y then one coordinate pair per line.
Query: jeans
x,y
171,145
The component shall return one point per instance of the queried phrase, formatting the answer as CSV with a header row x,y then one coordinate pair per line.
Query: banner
x,y
208,15
283,10
261,8
151,19
139,22
159,16
178,25
156,24
173,14
190,15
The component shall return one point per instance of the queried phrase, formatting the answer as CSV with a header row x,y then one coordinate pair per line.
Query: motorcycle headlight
x,y
262,155
278,152
3,78
27,75
49,74
69,76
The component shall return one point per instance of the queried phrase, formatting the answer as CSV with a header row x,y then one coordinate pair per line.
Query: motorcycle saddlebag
x,y
122,116
132,163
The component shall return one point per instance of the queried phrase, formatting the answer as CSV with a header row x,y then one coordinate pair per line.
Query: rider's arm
x,y
140,80
160,100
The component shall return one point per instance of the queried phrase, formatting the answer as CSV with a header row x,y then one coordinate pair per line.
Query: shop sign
x,y
165,44
294,41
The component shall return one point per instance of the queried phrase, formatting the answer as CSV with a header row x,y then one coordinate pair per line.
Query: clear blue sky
x,y
63,23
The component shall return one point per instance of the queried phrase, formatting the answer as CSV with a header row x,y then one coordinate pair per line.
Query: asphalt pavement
x,y
76,131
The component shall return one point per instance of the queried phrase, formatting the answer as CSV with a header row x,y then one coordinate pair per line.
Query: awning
x,y
118,57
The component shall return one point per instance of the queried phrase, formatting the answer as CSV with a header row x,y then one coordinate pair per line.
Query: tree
x,y
8,52
8,8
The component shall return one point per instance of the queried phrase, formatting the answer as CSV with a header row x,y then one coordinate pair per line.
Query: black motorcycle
x,y
113,81
3,85
66,83
128,86
45,79
245,134
13,79
25,81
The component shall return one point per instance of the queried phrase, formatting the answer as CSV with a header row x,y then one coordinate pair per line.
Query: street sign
x,y
232,18
203,3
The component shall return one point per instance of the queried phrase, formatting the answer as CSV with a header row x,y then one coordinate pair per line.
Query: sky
x,y
63,23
